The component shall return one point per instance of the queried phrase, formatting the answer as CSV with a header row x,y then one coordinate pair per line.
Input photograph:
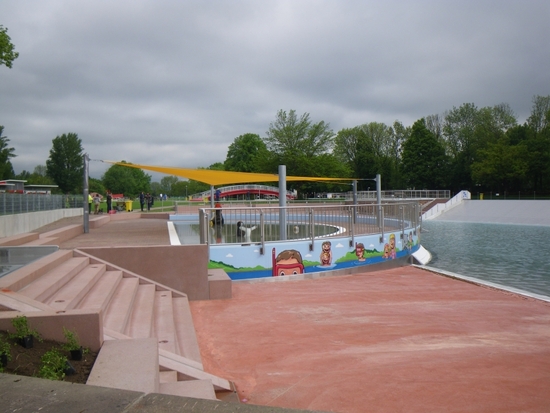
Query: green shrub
x,y
53,365
22,329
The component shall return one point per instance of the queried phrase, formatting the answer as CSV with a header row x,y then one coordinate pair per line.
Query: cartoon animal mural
x,y
326,254
288,262
360,251
389,248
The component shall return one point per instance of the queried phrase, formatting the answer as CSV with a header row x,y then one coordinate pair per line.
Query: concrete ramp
x,y
526,212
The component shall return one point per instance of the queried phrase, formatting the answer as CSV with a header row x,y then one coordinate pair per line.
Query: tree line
x,y
465,148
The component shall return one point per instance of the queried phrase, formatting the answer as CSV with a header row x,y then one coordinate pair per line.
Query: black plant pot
x,y
76,354
26,342
3,360
69,369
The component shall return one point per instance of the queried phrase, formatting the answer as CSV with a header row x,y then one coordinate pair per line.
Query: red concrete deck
x,y
401,340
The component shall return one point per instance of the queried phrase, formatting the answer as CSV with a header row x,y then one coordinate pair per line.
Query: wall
x,y
28,222
181,267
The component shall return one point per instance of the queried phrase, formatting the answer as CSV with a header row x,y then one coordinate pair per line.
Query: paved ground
x,y
401,340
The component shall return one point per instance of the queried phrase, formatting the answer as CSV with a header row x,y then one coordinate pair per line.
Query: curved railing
x,y
272,224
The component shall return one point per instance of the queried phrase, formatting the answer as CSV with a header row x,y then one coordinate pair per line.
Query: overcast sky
x,y
173,83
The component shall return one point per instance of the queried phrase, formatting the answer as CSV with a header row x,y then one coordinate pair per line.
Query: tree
x,y
126,180
65,164
423,161
290,139
245,154
540,113
6,153
95,185
7,53
501,166
166,184
37,177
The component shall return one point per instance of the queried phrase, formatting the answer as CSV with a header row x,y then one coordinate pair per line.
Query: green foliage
x,y
72,341
166,184
423,159
129,181
291,139
7,52
96,185
245,154
37,177
22,328
66,164
5,348
53,365
6,153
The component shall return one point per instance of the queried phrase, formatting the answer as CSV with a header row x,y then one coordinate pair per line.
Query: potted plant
x,y
23,333
5,353
54,365
72,344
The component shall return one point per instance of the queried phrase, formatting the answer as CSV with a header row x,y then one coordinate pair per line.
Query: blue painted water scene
x,y
253,243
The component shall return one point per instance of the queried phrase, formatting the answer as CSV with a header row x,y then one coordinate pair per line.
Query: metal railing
x,y
22,203
402,194
261,224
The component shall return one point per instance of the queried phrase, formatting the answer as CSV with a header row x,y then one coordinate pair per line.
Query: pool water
x,y
511,255
189,233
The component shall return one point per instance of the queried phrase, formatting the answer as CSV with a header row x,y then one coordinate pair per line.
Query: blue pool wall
x,y
248,261
245,261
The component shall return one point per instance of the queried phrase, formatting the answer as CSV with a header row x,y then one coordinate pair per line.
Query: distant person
x,y
148,201
141,200
218,219
97,200
244,232
109,201
90,200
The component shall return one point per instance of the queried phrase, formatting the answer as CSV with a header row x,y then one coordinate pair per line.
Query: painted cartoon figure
x,y
410,241
393,251
288,262
326,254
360,251
389,248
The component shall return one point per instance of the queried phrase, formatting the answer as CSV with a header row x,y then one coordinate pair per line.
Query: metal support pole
x,y
354,186
282,202
379,198
85,193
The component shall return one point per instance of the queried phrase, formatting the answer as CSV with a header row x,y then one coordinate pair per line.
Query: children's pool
x,y
189,232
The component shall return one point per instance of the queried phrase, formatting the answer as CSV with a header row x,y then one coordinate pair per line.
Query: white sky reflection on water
x,y
512,255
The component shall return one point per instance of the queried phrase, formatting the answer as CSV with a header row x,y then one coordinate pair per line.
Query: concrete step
x,y
164,328
42,288
188,345
140,324
19,279
197,389
68,296
168,376
127,365
190,370
120,308
99,296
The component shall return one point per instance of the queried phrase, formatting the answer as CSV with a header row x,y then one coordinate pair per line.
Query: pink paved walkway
x,y
401,340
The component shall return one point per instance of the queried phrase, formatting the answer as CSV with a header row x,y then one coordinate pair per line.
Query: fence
x,y
257,224
22,203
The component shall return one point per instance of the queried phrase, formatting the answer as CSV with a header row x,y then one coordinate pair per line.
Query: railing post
x,y
262,232
312,228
